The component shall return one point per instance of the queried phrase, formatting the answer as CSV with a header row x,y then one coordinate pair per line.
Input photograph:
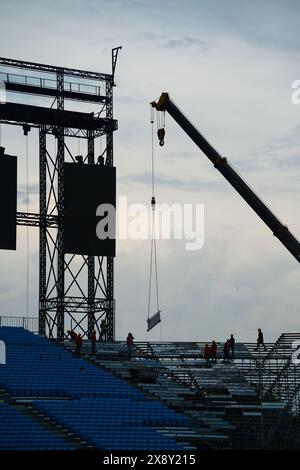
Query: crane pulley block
x,y
161,136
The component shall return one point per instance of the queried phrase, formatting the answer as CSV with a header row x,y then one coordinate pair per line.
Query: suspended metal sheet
x,y
154,320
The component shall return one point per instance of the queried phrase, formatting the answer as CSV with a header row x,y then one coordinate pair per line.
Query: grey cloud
x,y
175,43
271,24
279,152
185,42
33,188
288,141
175,183
149,36
180,155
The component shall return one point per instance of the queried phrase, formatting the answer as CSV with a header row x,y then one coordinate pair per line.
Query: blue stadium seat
x,y
93,403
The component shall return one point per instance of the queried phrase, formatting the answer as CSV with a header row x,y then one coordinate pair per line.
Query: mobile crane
x,y
220,163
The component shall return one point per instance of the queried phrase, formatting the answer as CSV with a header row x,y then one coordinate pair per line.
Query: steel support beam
x,y
60,192
91,259
110,259
43,234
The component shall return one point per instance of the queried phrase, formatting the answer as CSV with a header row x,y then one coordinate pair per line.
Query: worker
x,y
213,350
78,344
72,335
103,331
207,353
129,342
93,341
260,340
226,350
232,345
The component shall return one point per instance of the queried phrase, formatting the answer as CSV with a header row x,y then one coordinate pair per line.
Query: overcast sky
x,y
229,66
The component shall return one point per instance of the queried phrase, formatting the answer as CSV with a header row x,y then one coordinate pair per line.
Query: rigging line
x,y
152,148
150,280
152,207
27,231
153,253
155,264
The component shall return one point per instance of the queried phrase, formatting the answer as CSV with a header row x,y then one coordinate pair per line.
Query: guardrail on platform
x,y
29,323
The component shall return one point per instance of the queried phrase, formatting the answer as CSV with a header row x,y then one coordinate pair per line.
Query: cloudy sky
x,y
230,66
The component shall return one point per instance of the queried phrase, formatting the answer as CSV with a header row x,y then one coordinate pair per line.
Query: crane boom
x,y
220,163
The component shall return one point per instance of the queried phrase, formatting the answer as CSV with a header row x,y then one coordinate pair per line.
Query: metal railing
x,y
29,323
49,83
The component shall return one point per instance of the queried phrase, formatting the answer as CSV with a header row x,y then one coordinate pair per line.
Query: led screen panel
x,y
8,201
87,189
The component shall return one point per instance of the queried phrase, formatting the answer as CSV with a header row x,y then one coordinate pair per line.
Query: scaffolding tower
x,y
76,290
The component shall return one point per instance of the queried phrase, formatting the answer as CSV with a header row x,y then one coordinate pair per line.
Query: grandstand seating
x,y
91,402
171,402
20,432
113,424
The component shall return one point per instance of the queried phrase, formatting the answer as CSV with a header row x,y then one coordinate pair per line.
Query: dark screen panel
x,y
8,202
86,187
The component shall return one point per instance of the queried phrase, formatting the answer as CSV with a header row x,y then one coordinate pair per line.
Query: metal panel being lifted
x,y
8,200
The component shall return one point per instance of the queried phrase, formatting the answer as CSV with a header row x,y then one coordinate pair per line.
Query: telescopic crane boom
x,y
220,163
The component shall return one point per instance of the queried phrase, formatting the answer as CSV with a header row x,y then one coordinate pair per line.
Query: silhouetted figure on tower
x,y
207,354
260,340
226,351
232,345
103,331
213,350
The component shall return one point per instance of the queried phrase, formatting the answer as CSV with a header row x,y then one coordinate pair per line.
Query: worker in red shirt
x,y
78,344
207,354
93,341
129,342
214,349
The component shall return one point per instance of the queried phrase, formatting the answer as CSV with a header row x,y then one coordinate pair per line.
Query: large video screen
x,y
8,201
90,201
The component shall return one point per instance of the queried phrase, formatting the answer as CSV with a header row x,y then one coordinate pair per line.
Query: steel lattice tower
x,y
76,290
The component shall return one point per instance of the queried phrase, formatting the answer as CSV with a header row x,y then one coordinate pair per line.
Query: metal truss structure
x,y
75,291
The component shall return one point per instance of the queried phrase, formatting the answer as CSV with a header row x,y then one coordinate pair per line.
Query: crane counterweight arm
x,y
221,164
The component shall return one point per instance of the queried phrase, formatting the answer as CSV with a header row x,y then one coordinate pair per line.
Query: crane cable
x,y
27,230
153,251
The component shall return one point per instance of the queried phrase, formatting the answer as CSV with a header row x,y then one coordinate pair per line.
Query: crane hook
x,y
161,135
